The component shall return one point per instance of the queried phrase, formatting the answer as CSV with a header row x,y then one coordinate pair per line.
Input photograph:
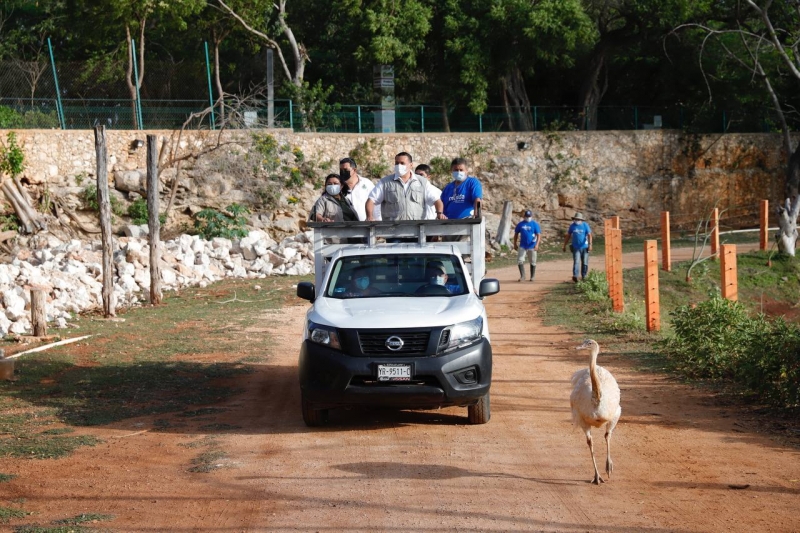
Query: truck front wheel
x,y
481,412
311,416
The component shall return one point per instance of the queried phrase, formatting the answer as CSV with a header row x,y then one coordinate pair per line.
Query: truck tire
x,y
481,412
312,417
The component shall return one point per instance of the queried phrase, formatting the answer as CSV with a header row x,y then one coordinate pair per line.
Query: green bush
x,y
594,286
139,213
230,224
89,198
718,339
9,118
12,158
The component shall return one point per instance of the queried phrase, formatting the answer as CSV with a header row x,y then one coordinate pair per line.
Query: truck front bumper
x,y
331,378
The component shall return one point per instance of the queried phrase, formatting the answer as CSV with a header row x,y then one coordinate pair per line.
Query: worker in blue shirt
x,y
527,244
462,197
579,237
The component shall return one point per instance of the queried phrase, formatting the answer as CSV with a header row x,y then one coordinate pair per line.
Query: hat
x,y
437,266
528,213
578,216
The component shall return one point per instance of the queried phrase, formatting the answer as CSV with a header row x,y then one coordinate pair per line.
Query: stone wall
x,y
634,174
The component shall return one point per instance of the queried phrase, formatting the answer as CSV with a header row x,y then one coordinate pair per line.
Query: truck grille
x,y
415,343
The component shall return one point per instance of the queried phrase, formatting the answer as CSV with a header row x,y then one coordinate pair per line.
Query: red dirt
x,y
683,462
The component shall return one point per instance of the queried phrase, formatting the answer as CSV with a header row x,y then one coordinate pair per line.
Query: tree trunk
x,y
129,74
787,222
793,174
153,223
445,118
218,82
514,85
105,220
592,91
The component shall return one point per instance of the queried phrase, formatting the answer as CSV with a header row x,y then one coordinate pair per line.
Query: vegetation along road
x,y
187,417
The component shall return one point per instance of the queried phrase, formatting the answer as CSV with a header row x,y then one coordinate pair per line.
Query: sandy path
x,y
676,454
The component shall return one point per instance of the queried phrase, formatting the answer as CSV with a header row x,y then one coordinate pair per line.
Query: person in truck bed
x,y
333,205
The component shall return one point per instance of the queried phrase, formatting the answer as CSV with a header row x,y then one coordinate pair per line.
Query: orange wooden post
x,y
617,301
651,300
615,222
764,218
730,288
666,250
715,232
609,266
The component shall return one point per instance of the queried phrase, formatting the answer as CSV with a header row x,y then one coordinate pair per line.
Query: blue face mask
x,y
459,175
333,190
362,283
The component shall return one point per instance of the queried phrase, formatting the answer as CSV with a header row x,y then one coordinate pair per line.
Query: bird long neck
x,y
593,374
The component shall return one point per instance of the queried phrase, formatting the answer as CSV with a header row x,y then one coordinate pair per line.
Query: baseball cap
x,y
528,213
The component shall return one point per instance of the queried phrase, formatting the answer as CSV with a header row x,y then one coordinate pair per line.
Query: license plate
x,y
394,372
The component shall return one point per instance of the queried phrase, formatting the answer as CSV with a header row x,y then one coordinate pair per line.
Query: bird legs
x,y
597,479
610,429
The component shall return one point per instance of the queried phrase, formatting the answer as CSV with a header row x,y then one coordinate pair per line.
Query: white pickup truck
x,y
397,318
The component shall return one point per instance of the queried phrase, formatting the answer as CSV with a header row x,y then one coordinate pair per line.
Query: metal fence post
x,y
724,122
59,107
291,116
480,123
136,84
358,114
535,118
422,117
210,92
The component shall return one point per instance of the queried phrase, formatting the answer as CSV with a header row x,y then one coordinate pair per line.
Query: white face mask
x,y
459,175
528,219
333,190
400,170
439,280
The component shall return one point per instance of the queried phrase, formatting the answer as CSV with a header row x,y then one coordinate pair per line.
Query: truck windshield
x,y
377,276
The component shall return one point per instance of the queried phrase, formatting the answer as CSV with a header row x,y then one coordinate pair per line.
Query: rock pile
x,y
71,272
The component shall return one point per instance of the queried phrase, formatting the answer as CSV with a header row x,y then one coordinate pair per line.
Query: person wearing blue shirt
x,y
462,196
579,237
526,240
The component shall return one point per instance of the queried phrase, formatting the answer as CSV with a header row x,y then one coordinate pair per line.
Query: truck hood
x,y
405,312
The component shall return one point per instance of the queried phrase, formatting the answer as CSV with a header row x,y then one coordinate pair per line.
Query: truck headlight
x,y
323,335
461,334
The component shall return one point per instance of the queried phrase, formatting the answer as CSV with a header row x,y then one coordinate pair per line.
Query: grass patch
x,y
84,518
208,461
161,359
5,478
8,513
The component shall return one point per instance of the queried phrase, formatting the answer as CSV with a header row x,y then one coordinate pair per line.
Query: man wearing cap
x,y
579,237
528,244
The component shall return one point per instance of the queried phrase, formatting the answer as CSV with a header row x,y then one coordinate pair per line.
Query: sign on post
x,y
666,250
651,300
763,238
730,288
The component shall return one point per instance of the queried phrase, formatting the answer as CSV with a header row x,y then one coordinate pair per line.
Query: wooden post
x,y
105,220
666,249
715,232
763,239
615,222
730,288
39,312
153,223
505,224
607,227
651,299
617,301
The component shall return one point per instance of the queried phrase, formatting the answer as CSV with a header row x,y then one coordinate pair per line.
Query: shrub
x,y
594,286
89,198
230,224
139,213
9,118
12,158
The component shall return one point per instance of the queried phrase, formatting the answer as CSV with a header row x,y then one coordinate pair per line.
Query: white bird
x,y
595,402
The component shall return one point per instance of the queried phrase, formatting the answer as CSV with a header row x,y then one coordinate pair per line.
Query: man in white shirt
x,y
425,171
404,195
359,186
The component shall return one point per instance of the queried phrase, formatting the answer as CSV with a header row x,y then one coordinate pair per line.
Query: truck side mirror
x,y
305,290
488,287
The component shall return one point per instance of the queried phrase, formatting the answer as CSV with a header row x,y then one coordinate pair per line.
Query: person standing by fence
x,y
579,237
527,244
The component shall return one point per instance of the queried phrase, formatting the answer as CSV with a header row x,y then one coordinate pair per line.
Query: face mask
x,y
528,219
333,190
344,175
439,280
400,170
459,175
362,283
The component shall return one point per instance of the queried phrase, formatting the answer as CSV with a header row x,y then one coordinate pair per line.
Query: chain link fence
x,y
80,95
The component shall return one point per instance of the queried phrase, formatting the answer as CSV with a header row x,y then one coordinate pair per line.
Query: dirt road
x,y
682,463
